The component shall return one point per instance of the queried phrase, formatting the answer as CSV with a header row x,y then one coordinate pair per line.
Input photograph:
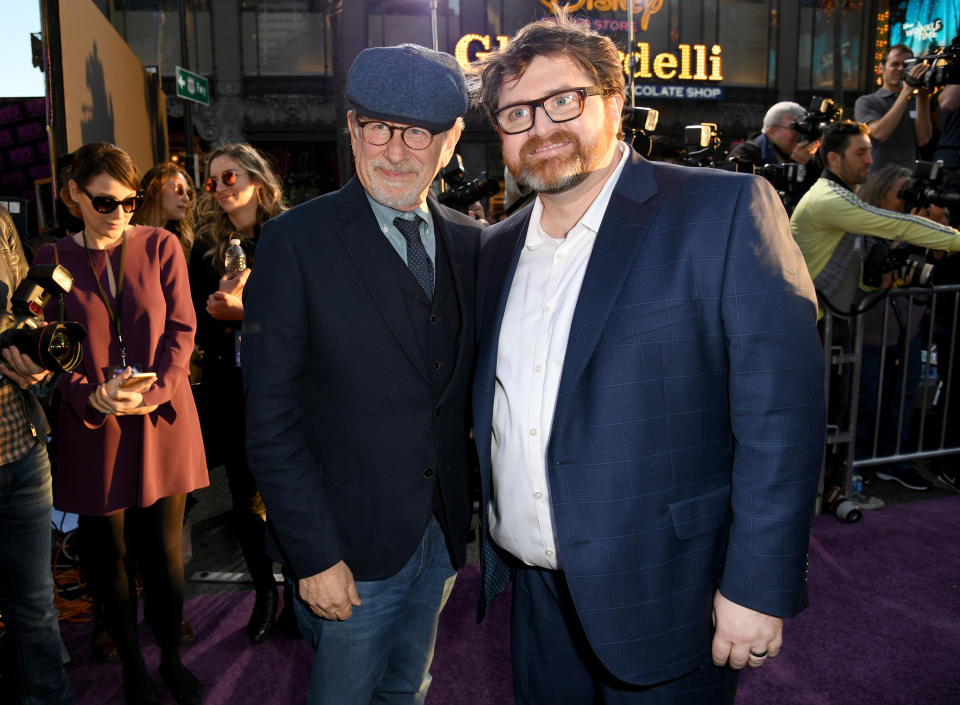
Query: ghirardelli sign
x,y
643,8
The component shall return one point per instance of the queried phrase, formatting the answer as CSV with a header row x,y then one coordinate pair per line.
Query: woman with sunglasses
x,y
129,446
241,193
168,198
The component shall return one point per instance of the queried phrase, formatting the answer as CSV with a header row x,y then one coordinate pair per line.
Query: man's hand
x,y
917,72
331,594
804,151
742,633
21,369
224,306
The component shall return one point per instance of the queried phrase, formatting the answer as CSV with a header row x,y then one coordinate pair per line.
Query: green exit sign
x,y
192,87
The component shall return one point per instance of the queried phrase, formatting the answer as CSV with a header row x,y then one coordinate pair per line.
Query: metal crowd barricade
x,y
934,413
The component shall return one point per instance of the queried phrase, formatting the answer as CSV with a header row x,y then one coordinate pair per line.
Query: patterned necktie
x,y
417,258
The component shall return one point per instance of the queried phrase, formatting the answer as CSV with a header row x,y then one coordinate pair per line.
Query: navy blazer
x,y
346,437
689,426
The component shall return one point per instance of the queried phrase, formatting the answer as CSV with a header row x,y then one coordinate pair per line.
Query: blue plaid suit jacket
x,y
689,425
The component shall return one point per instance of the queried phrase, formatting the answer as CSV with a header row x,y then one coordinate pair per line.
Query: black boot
x,y
182,684
138,688
262,618
287,624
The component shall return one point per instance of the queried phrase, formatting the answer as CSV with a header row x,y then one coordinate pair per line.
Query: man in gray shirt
x,y
899,123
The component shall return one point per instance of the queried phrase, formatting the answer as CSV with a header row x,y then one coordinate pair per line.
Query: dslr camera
x,y
461,193
822,112
907,264
925,187
944,67
52,346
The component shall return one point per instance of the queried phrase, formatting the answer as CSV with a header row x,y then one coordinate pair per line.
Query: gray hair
x,y
778,111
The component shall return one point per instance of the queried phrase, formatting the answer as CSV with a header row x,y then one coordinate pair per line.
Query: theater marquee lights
x,y
694,62
644,8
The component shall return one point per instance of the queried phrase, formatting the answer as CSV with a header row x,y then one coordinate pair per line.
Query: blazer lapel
x,y
493,289
371,254
614,253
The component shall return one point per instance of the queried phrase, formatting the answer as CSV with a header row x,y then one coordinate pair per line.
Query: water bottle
x,y
234,259
856,484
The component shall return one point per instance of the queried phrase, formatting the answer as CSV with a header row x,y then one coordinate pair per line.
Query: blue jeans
x,y
26,581
382,653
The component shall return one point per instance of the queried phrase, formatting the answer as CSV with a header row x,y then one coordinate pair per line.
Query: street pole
x,y
433,24
187,104
630,38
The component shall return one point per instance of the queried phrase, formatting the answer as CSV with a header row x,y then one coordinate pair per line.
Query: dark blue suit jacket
x,y
346,435
689,425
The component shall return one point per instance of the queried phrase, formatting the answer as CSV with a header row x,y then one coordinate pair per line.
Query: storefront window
x,y
818,28
152,30
286,38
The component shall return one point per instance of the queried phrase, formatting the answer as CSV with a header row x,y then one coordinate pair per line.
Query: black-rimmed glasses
x,y
559,107
379,133
108,204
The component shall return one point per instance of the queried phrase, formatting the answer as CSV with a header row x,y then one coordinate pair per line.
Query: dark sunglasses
x,y
229,179
181,190
108,204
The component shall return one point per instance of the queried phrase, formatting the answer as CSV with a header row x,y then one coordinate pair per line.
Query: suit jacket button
x,y
434,319
436,364
428,473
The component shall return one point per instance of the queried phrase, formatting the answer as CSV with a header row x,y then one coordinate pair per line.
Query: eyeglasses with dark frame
x,y
563,106
108,204
379,133
229,178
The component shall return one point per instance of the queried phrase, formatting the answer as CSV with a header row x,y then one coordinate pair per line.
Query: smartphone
x,y
137,377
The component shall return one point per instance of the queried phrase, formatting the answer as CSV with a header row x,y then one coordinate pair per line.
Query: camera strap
x,y
113,313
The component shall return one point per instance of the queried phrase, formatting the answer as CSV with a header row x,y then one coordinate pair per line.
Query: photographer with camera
x,y
26,501
891,264
780,141
899,123
831,209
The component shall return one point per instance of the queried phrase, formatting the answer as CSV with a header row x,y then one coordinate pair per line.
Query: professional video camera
x,y
638,123
462,193
53,346
924,187
907,265
944,67
822,112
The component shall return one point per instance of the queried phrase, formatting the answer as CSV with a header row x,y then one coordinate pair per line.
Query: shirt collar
x,y
386,214
590,220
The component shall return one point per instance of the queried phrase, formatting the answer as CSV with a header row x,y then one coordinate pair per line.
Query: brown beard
x,y
560,173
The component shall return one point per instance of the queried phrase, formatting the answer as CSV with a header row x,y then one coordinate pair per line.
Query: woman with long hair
x,y
168,199
130,446
241,193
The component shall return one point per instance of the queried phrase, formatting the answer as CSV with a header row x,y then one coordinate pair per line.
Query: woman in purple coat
x,y
129,449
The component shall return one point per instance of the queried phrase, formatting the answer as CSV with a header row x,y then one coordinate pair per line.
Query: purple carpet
x,y
883,628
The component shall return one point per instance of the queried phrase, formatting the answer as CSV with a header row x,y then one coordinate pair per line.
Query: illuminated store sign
x,y
694,62
643,8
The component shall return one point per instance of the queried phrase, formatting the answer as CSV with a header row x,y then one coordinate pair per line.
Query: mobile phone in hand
x,y
137,377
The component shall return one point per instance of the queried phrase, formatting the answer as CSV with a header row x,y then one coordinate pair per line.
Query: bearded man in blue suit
x,y
648,400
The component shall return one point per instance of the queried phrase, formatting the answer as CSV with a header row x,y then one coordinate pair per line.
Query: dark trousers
x,y
553,663
113,547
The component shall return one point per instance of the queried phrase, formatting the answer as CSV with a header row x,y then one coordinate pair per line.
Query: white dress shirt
x,y
530,355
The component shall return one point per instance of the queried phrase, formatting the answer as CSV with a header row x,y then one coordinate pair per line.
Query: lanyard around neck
x,y
114,314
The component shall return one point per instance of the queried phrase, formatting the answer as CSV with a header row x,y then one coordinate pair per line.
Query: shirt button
x,y
428,473
549,553
533,432
561,255
538,495
538,369
546,308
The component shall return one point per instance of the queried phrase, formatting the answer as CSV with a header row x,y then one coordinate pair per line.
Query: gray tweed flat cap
x,y
409,84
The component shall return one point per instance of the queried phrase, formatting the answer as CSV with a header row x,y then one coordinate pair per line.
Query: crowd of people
x,y
634,357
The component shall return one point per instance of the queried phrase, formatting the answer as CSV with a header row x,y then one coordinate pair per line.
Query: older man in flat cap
x,y
358,351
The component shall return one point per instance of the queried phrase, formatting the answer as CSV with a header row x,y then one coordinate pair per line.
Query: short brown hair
x,y
836,136
95,158
594,53
903,48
